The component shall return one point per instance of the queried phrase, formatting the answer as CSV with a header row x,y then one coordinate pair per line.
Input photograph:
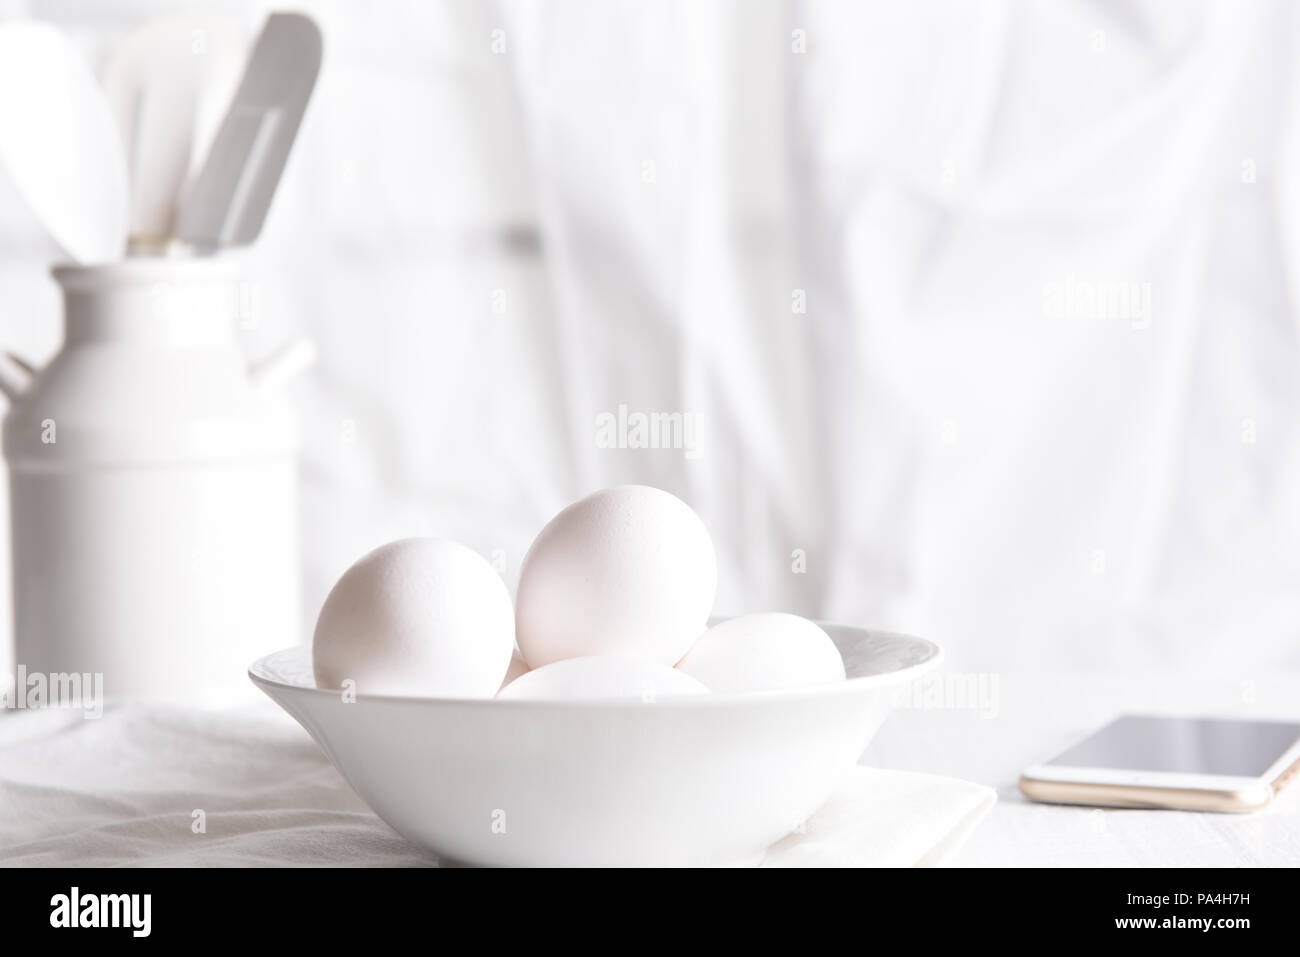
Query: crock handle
x,y
15,375
282,364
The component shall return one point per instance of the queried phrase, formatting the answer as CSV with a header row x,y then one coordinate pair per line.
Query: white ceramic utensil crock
x,y
692,780
153,486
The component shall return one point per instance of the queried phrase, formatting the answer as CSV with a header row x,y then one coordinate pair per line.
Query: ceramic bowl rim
x,y
931,656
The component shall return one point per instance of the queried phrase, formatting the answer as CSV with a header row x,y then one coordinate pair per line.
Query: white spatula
x,y
58,141
228,202
169,83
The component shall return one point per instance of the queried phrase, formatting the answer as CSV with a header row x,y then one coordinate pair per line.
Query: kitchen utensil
x,y
168,84
153,477
695,779
59,143
230,198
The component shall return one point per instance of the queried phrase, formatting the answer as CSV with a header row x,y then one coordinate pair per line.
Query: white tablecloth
x,y
1036,715
129,788
169,786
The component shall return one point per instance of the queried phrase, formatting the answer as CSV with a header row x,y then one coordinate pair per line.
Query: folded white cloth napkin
x,y
178,787
881,818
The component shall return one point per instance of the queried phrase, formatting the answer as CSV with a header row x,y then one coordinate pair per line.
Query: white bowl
x,y
694,780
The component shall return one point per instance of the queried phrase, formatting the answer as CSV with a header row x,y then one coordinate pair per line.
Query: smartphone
x,y
1195,764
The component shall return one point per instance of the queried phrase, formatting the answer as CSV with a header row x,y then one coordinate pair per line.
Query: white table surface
x,y
1038,715
123,789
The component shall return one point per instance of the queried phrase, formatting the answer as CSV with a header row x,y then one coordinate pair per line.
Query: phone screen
x,y
1184,746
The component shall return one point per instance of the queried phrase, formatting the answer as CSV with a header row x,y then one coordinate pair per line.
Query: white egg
x,y
626,571
763,652
602,676
424,617
517,667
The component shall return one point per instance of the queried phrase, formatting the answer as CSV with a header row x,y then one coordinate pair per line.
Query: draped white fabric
x,y
984,312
